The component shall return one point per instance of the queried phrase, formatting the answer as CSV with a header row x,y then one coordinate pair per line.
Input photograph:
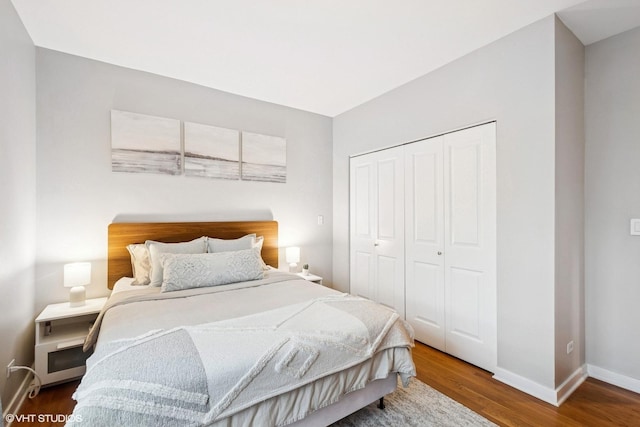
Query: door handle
x,y
439,253
376,243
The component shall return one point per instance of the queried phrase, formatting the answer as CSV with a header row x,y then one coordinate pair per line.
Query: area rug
x,y
417,405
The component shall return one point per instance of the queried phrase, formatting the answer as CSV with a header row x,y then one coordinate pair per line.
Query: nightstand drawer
x,y
60,361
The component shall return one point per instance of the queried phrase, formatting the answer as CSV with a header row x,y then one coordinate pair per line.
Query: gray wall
x,y
18,195
612,198
569,232
511,81
78,195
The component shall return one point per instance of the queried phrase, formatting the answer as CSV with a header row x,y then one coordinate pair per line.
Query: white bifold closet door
x,y
450,243
377,227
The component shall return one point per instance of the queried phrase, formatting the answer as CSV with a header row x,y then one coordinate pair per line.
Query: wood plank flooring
x,y
594,404
52,400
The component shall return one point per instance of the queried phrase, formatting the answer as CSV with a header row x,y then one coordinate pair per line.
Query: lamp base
x,y
293,267
77,296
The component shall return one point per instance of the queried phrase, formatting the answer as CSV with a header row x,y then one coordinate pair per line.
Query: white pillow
x,y
258,245
196,246
201,270
228,245
140,263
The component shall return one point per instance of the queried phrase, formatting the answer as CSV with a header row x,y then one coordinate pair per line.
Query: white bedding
x,y
227,302
232,301
125,284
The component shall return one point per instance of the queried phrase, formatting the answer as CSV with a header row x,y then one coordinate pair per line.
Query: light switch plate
x,y
635,227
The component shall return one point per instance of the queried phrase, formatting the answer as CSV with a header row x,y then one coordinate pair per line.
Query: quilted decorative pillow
x,y
140,263
196,246
182,271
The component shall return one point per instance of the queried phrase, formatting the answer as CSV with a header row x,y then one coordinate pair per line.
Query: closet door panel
x,y
362,222
465,303
425,193
470,245
362,176
464,194
361,280
377,227
387,272
389,242
388,223
425,303
424,240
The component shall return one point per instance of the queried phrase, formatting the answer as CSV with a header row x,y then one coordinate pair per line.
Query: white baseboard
x,y
614,378
553,396
18,399
532,388
571,384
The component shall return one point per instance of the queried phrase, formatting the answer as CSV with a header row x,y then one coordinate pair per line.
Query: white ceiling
x,y
323,56
595,20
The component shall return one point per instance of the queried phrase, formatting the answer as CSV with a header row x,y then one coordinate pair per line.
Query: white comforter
x,y
282,337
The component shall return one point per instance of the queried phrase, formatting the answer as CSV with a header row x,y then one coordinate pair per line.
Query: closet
x,y
423,238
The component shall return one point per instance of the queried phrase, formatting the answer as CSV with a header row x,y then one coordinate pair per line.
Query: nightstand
x,y
311,278
60,334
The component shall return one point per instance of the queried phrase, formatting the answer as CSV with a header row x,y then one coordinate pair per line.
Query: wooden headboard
x,y
123,234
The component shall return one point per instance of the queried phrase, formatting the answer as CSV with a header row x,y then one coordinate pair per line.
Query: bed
x,y
257,348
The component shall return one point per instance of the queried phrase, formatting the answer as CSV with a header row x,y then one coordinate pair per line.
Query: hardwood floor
x,y
53,401
595,403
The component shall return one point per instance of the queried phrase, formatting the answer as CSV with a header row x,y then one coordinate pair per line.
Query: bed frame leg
x,y
381,403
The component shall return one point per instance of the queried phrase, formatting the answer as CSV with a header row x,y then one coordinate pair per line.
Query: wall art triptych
x,y
148,144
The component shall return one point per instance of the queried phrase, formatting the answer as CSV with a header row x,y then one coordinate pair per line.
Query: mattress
x,y
277,291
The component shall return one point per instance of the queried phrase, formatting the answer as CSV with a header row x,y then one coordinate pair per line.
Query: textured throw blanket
x,y
149,293
196,375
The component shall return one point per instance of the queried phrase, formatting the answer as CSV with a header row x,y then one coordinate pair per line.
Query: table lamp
x,y
76,276
293,257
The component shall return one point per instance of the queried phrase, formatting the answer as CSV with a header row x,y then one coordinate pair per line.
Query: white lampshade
x,y
76,276
293,254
